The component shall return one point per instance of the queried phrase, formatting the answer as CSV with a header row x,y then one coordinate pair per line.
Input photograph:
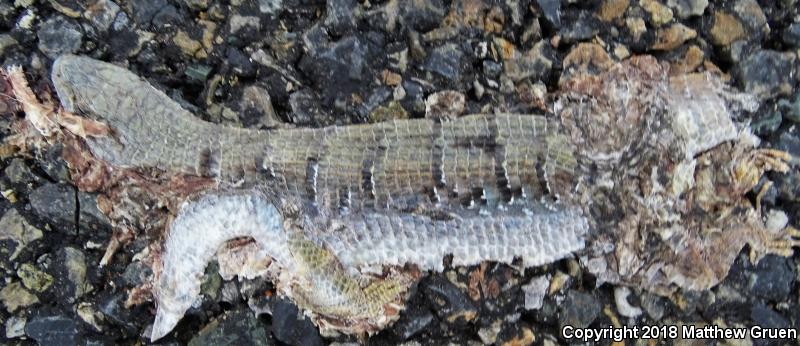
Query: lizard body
x,y
650,169
397,164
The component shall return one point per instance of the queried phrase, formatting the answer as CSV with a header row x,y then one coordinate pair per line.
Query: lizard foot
x,y
782,244
753,164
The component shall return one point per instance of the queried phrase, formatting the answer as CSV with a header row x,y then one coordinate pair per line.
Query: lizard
x,y
642,173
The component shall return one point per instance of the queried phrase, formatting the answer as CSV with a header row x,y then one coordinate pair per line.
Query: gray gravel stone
x,y
197,4
447,61
18,172
791,35
270,6
766,122
290,327
535,292
91,219
158,13
59,36
6,42
256,106
687,8
377,97
15,327
239,22
136,273
413,321
69,270
145,10
788,184
114,311
305,107
551,9
655,306
55,329
103,14
53,164
767,73
7,13
240,63
343,67
14,227
238,327
772,278
583,28
765,317
340,16
56,204
423,16
791,108
450,303
579,310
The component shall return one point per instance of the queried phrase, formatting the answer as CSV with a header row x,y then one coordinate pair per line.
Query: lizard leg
x,y
323,286
781,243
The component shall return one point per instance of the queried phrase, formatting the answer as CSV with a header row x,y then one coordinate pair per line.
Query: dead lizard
x,y
649,169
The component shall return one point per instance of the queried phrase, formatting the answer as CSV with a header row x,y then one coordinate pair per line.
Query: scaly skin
x,y
651,168
347,175
401,164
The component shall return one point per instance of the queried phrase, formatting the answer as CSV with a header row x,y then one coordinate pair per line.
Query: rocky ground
x,y
259,63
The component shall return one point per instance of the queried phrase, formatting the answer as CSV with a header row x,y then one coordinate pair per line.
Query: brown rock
x,y
68,8
691,61
187,45
673,37
636,26
14,296
193,47
726,29
621,52
391,78
583,59
494,20
613,9
659,13
466,13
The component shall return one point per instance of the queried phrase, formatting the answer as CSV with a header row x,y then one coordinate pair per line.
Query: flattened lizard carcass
x,y
651,170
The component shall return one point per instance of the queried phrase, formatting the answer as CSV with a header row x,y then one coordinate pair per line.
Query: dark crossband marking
x,y
345,200
368,177
437,155
312,171
209,163
264,168
541,176
371,165
500,173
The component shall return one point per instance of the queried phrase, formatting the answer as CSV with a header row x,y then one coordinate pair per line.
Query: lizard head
x,y
93,89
